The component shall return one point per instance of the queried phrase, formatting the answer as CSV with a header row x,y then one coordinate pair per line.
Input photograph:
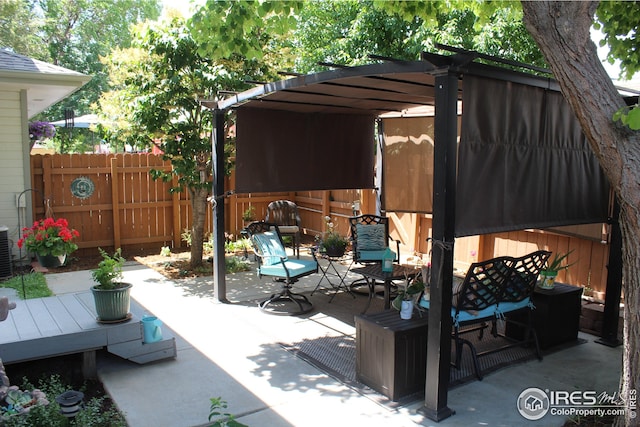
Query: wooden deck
x,y
65,324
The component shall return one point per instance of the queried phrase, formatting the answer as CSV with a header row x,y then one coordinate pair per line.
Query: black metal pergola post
x,y
443,226
219,282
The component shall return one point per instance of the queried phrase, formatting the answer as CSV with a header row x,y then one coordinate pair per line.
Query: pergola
x,y
522,161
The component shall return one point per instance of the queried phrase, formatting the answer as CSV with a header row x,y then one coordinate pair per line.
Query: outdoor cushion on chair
x,y
269,247
275,260
369,241
296,268
372,237
288,229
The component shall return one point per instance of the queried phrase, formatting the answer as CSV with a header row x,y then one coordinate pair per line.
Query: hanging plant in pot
x,y
111,295
550,271
50,240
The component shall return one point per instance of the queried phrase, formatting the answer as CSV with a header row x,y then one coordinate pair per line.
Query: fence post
x,y
47,166
115,197
326,204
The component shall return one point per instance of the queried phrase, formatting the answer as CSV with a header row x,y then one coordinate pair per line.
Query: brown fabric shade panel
x,y
408,164
523,162
288,151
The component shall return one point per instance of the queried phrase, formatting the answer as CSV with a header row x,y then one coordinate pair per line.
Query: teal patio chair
x,y
273,262
370,239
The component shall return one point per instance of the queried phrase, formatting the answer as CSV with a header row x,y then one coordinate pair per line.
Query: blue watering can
x,y
151,328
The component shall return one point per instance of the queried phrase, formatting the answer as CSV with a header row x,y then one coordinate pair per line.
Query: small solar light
x,y
355,207
70,403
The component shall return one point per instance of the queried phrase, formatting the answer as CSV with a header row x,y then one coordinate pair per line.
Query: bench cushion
x,y
506,307
466,316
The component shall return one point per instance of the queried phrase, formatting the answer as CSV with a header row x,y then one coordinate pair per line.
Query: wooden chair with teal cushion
x,y
273,262
285,215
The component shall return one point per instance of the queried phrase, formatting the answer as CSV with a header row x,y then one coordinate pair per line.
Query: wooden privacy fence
x,y
110,199
115,203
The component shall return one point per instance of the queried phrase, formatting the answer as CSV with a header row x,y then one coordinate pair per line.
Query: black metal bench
x,y
489,292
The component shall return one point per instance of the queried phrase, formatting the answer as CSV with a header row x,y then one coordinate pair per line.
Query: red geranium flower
x,y
49,237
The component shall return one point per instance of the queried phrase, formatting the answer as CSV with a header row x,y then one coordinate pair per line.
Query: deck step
x,y
139,352
53,326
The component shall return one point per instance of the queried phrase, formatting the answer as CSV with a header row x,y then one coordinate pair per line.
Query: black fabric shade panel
x,y
288,151
523,162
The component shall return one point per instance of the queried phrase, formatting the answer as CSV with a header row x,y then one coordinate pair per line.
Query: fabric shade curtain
x,y
289,151
523,162
408,164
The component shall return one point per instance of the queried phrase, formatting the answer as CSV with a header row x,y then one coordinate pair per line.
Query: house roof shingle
x,y
44,83
12,61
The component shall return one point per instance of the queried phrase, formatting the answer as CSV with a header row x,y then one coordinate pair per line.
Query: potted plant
x,y
249,215
406,298
51,240
332,243
550,271
111,295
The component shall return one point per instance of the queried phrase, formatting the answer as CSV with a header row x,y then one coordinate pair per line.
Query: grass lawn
x,y
34,285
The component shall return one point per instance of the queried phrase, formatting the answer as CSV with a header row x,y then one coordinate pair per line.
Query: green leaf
x,y
633,118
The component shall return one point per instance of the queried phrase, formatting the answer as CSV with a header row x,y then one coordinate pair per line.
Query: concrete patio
x,y
236,352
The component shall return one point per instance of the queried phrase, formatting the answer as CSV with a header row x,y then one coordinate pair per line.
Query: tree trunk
x,y
199,210
562,31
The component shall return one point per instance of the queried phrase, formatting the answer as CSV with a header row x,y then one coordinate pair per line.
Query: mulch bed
x,y
176,266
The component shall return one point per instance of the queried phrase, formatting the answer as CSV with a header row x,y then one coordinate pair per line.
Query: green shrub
x,y
234,264
96,412
231,246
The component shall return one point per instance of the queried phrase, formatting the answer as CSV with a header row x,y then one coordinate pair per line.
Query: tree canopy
x,y
73,34
159,85
347,32
619,21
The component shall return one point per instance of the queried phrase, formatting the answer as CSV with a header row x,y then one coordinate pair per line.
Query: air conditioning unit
x,y
5,253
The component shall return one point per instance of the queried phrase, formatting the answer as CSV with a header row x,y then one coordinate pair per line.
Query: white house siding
x,y
13,129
